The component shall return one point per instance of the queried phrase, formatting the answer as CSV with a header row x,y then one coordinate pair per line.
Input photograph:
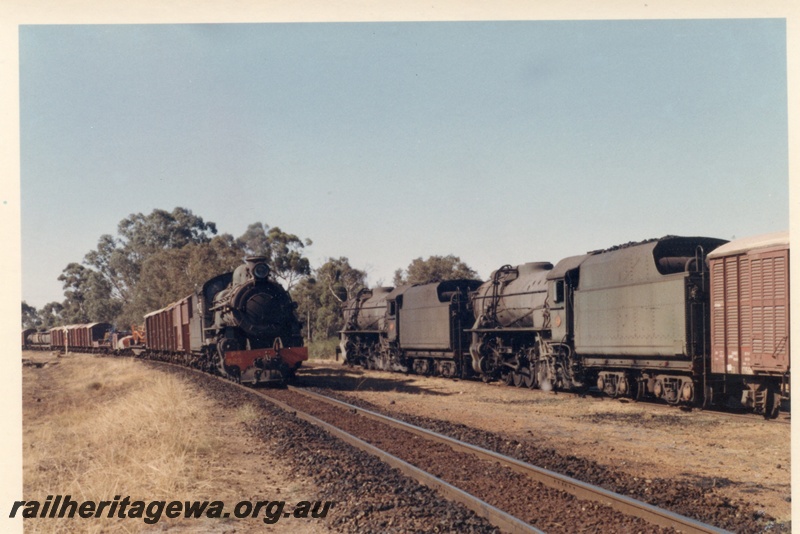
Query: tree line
x,y
159,258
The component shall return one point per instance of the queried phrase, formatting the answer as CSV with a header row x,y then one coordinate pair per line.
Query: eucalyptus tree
x,y
30,316
434,269
283,251
320,296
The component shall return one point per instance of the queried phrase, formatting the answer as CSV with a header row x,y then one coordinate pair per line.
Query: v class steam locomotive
x,y
659,319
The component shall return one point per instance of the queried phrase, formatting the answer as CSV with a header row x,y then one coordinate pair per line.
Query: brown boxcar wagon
x,y
74,337
58,337
168,328
749,303
92,337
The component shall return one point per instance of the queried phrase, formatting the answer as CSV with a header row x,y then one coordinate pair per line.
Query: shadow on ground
x,y
337,377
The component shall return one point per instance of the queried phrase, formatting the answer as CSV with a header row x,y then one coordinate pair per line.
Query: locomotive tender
x,y
418,328
642,320
240,325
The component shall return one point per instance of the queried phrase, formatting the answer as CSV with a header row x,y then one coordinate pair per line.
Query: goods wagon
x,y
750,351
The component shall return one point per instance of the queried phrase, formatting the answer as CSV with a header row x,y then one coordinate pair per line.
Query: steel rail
x,y
581,490
495,516
500,519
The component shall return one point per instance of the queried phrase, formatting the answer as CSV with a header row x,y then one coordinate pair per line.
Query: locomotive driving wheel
x,y
509,377
523,378
517,379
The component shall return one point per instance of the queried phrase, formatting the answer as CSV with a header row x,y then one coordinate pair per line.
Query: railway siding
x,y
699,465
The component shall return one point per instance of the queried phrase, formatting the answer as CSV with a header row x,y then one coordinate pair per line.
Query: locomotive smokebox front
x,y
253,303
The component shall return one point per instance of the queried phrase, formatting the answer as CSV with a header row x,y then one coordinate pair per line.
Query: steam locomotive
x,y
240,325
686,320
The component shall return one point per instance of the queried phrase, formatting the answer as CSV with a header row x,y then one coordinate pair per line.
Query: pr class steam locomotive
x,y
241,325
640,320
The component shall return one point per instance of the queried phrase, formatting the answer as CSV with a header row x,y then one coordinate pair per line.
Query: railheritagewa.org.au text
x,y
152,511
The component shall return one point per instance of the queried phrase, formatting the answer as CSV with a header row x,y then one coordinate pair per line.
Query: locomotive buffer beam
x,y
253,365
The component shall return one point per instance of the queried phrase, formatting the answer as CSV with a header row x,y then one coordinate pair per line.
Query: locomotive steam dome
x,y
253,303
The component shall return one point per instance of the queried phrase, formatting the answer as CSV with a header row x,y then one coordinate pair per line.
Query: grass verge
x,y
97,428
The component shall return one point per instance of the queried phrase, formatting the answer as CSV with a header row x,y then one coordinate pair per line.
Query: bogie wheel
x,y
641,388
708,397
772,404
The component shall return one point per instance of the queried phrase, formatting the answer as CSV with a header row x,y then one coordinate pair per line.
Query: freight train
x,y
241,325
690,321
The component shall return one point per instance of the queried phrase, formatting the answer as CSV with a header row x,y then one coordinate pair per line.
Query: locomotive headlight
x,y
261,270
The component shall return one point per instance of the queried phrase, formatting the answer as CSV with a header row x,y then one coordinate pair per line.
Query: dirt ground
x,y
747,459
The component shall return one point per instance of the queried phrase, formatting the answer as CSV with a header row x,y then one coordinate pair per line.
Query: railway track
x,y
535,476
511,494
575,488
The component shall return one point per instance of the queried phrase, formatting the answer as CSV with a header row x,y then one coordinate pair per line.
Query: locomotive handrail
x,y
506,329
485,297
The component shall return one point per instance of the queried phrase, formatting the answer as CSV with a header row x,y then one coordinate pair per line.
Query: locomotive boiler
x,y
364,326
511,318
241,325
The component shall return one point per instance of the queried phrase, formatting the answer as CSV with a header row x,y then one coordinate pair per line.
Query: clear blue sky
x,y
499,142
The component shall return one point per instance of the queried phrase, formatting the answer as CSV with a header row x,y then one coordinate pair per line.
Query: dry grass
x,y
97,428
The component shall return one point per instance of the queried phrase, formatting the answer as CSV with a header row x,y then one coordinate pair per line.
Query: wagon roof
x,y
745,244
168,306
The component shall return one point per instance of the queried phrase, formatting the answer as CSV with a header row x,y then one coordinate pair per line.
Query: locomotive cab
x,y
562,281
